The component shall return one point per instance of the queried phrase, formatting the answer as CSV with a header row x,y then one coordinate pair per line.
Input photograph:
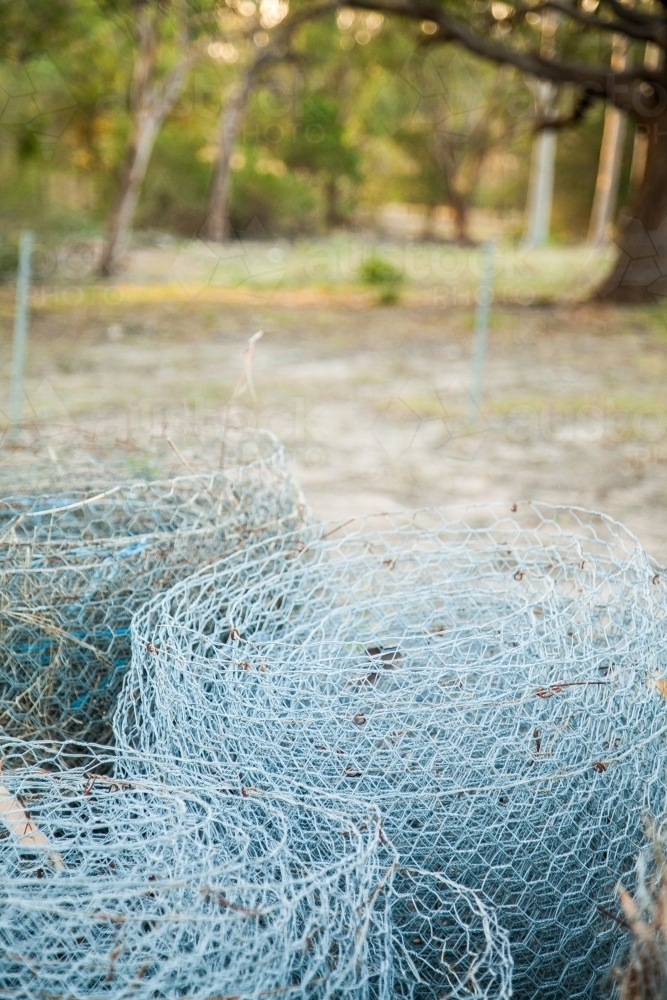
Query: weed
x,y
381,274
644,976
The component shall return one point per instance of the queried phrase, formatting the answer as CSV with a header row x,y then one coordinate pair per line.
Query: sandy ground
x,y
372,402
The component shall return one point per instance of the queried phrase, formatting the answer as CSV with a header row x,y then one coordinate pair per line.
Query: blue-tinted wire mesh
x,y
117,888
493,682
79,556
126,876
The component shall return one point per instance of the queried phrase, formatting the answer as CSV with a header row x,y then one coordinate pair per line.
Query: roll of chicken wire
x,y
116,888
86,540
494,681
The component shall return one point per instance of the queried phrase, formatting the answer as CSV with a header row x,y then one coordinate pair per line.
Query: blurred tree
x,y
31,27
267,198
269,47
167,37
231,117
87,88
51,75
500,32
465,111
326,58
174,191
575,177
319,148
445,110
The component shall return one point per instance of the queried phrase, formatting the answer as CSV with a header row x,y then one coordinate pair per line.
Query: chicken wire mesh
x,y
83,543
116,888
494,682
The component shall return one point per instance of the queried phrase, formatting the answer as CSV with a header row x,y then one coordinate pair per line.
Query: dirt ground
x,y
372,402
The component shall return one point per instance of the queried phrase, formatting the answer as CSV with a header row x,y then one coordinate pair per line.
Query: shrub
x,y
381,274
282,204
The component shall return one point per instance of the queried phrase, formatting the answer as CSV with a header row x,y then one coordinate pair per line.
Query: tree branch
x,y
286,29
584,102
646,31
628,14
616,88
167,91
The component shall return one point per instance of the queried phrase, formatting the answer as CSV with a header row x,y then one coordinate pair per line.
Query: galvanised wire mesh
x,y
445,941
494,681
116,888
84,543
112,449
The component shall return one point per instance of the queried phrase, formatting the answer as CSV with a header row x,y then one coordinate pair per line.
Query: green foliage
x,y
269,202
363,115
27,143
318,147
576,170
9,257
574,181
176,185
29,27
376,270
381,274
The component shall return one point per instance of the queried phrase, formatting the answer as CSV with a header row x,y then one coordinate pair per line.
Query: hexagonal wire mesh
x,y
493,681
83,544
121,889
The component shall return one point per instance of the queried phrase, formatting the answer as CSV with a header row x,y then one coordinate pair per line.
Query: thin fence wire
x,y
89,537
116,888
495,682
117,885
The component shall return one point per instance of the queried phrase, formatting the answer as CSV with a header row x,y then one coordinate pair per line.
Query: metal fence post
x,y
484,296
20,333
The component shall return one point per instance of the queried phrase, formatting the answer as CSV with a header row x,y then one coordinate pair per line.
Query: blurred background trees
x,y
112,117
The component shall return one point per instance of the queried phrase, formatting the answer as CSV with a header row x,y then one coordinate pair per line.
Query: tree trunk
x,y
543,159
145,130
640,271
217,223
541,189
461,217
459,194
151,102
331,196
609,169
652,56
638,164
428,232
611,155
